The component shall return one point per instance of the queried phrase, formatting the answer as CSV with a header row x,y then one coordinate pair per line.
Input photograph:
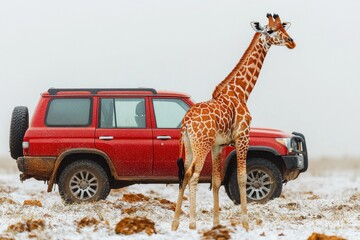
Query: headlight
x,y
286,142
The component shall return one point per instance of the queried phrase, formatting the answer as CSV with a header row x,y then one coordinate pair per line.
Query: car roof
x,y
112,92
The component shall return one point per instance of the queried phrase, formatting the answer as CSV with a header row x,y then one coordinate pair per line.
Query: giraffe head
x,y
275,32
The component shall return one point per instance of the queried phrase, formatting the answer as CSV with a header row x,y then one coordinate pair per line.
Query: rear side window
x,y
71,112
122,113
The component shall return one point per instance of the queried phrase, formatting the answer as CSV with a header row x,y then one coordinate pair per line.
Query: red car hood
x,y
268,132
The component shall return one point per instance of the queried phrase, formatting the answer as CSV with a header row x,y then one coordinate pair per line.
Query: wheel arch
x,y
267,153
69,156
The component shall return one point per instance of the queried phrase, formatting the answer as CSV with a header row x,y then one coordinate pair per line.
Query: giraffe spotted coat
x,y
225,119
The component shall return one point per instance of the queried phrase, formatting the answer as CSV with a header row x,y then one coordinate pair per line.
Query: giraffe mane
x,y
231,75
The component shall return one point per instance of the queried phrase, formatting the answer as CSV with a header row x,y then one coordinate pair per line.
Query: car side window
x,y
69,112
169,112
122,113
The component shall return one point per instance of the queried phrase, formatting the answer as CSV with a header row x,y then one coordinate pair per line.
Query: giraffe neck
x,y
243,77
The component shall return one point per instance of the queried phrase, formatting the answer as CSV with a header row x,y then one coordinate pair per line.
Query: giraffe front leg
x,y
243,198
216,181
216,185
242,145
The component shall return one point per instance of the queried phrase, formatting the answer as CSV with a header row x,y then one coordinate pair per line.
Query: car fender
x,y
228,161
67,153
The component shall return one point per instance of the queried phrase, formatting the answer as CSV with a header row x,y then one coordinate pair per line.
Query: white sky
x,y
190,46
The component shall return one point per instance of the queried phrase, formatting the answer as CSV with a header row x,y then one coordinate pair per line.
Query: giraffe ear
x,y
257,27
286,25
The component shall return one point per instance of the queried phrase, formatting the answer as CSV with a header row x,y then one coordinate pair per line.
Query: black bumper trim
x,y
21,164
294,162
304,150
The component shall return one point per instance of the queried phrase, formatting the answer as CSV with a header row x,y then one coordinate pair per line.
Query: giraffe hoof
x,y
245,226
174,225
192,225
216,223
245,222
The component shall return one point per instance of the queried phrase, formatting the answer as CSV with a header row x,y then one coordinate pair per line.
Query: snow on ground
x,y
324,200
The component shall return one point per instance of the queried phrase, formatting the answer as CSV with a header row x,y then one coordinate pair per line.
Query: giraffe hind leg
x,y
193,188
176,220
185,172
195,169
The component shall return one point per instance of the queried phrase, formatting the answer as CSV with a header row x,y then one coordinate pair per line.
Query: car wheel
x,y
18,126
264,181
83,181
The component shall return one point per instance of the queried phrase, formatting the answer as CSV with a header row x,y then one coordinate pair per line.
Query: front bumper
x,y
294,162
39,168
297,161
299,138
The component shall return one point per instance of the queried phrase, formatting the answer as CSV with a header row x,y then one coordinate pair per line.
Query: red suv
x,y
89,141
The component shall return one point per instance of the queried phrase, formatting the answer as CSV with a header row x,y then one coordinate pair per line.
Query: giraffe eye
x,y
270,31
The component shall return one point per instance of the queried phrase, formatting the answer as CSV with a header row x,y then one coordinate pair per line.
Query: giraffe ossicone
x,y
224,120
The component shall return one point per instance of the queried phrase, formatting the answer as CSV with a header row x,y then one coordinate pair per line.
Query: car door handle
x,y
106,137
163,137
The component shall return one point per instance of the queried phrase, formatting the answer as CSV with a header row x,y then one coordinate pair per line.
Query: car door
x,y
123,134
168,114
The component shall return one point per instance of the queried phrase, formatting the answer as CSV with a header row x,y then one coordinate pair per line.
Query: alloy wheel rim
x,y
258,185
83,185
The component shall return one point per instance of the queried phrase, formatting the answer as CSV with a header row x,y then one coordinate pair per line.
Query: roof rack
x,y
54,91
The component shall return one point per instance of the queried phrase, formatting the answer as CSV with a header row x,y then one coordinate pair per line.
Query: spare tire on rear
x,y
19,125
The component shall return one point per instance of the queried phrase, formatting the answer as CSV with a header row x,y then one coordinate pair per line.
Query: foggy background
x,y
190,46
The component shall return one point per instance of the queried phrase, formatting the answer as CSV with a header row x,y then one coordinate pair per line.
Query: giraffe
x,y
225,120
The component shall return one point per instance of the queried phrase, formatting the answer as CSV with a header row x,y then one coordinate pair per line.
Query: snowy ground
x,y
324,200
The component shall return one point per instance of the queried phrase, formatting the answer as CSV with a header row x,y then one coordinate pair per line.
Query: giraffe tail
x,y
180,161
181,171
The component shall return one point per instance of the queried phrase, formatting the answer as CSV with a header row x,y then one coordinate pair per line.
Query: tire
x,y
18,126
83,181
264,181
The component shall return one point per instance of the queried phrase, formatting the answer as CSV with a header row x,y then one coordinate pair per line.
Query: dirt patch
x,y
6,237
132,210
291,206
28,225
219,233
131,197
129,226
6,200
355,197
17,227
319,236
87,222
91,222
7,189
166,204
36,203
139,197
340,208
313,197
35,224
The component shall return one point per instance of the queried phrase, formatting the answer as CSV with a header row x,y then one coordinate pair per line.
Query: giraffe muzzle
x,y
290,43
